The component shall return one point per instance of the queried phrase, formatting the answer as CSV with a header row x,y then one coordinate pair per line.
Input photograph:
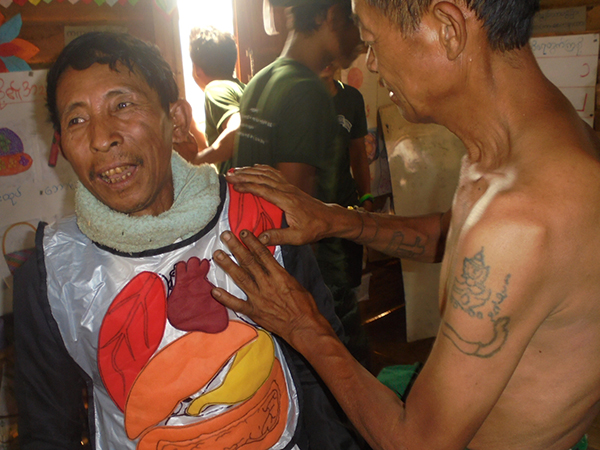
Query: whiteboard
x,y
571,63
30,189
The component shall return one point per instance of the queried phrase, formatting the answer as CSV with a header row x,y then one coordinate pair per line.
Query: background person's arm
x,y
198,135
360,169
223,147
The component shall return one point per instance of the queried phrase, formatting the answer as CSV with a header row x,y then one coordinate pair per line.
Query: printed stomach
x,y
210,391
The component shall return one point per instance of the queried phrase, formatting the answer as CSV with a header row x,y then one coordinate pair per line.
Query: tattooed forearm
x,y
470,293
394,243
362,227
362,238
399,247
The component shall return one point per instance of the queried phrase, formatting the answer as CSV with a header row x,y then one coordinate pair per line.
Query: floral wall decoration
x,y
14,52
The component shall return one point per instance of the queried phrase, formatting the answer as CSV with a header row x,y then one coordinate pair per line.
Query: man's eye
x,y
75,121
122,105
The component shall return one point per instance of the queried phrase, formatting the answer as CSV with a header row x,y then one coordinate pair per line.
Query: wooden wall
x,y
44,25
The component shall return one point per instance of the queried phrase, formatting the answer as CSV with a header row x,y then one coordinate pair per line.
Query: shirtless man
x,y
515,364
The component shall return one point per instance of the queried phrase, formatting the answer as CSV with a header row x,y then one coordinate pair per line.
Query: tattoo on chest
x,y
472,295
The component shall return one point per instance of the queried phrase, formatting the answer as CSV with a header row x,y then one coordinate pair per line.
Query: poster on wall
x,y
36,184
571,63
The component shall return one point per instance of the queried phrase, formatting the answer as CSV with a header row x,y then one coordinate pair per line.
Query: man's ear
x,y
452,28
199,76
181,114
328,18
56,147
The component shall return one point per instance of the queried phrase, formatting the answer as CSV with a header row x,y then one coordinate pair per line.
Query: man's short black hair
x,y
507,22
214,51
110,48
309,15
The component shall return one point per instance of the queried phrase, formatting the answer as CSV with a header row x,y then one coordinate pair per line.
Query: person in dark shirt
x,y
341,260
288,117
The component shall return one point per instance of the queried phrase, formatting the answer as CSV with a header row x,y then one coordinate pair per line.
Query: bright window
x,y
195,13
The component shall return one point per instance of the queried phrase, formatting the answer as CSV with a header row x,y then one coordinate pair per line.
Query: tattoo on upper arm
x,y
471,294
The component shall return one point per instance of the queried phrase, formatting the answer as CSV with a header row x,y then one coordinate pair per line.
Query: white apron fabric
x,y
80,294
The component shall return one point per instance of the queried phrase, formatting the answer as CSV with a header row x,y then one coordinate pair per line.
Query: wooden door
x,y
256,49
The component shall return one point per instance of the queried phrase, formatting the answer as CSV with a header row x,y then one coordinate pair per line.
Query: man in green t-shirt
x,y
288,119
214,55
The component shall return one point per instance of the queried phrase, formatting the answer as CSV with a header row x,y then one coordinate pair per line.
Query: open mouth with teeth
x,y
117,174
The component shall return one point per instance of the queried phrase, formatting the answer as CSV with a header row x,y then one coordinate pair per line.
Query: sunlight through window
x,y
194,13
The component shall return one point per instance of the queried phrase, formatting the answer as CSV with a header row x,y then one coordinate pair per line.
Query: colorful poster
x,y
31,189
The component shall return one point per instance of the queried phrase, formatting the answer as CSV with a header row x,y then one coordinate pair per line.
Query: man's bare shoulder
x,y
544,223
529,264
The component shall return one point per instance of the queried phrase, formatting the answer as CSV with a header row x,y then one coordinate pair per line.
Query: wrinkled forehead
x,y
99,81
97,71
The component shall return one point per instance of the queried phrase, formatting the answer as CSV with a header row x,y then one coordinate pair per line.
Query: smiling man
x,y
116,299
514,365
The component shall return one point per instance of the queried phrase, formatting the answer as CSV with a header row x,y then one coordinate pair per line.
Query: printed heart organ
x,y
191,307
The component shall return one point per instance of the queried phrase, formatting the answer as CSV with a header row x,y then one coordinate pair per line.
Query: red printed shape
x,y
191,307
130,333
252,213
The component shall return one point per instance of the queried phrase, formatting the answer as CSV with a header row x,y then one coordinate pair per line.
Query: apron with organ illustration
x,y
171,367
